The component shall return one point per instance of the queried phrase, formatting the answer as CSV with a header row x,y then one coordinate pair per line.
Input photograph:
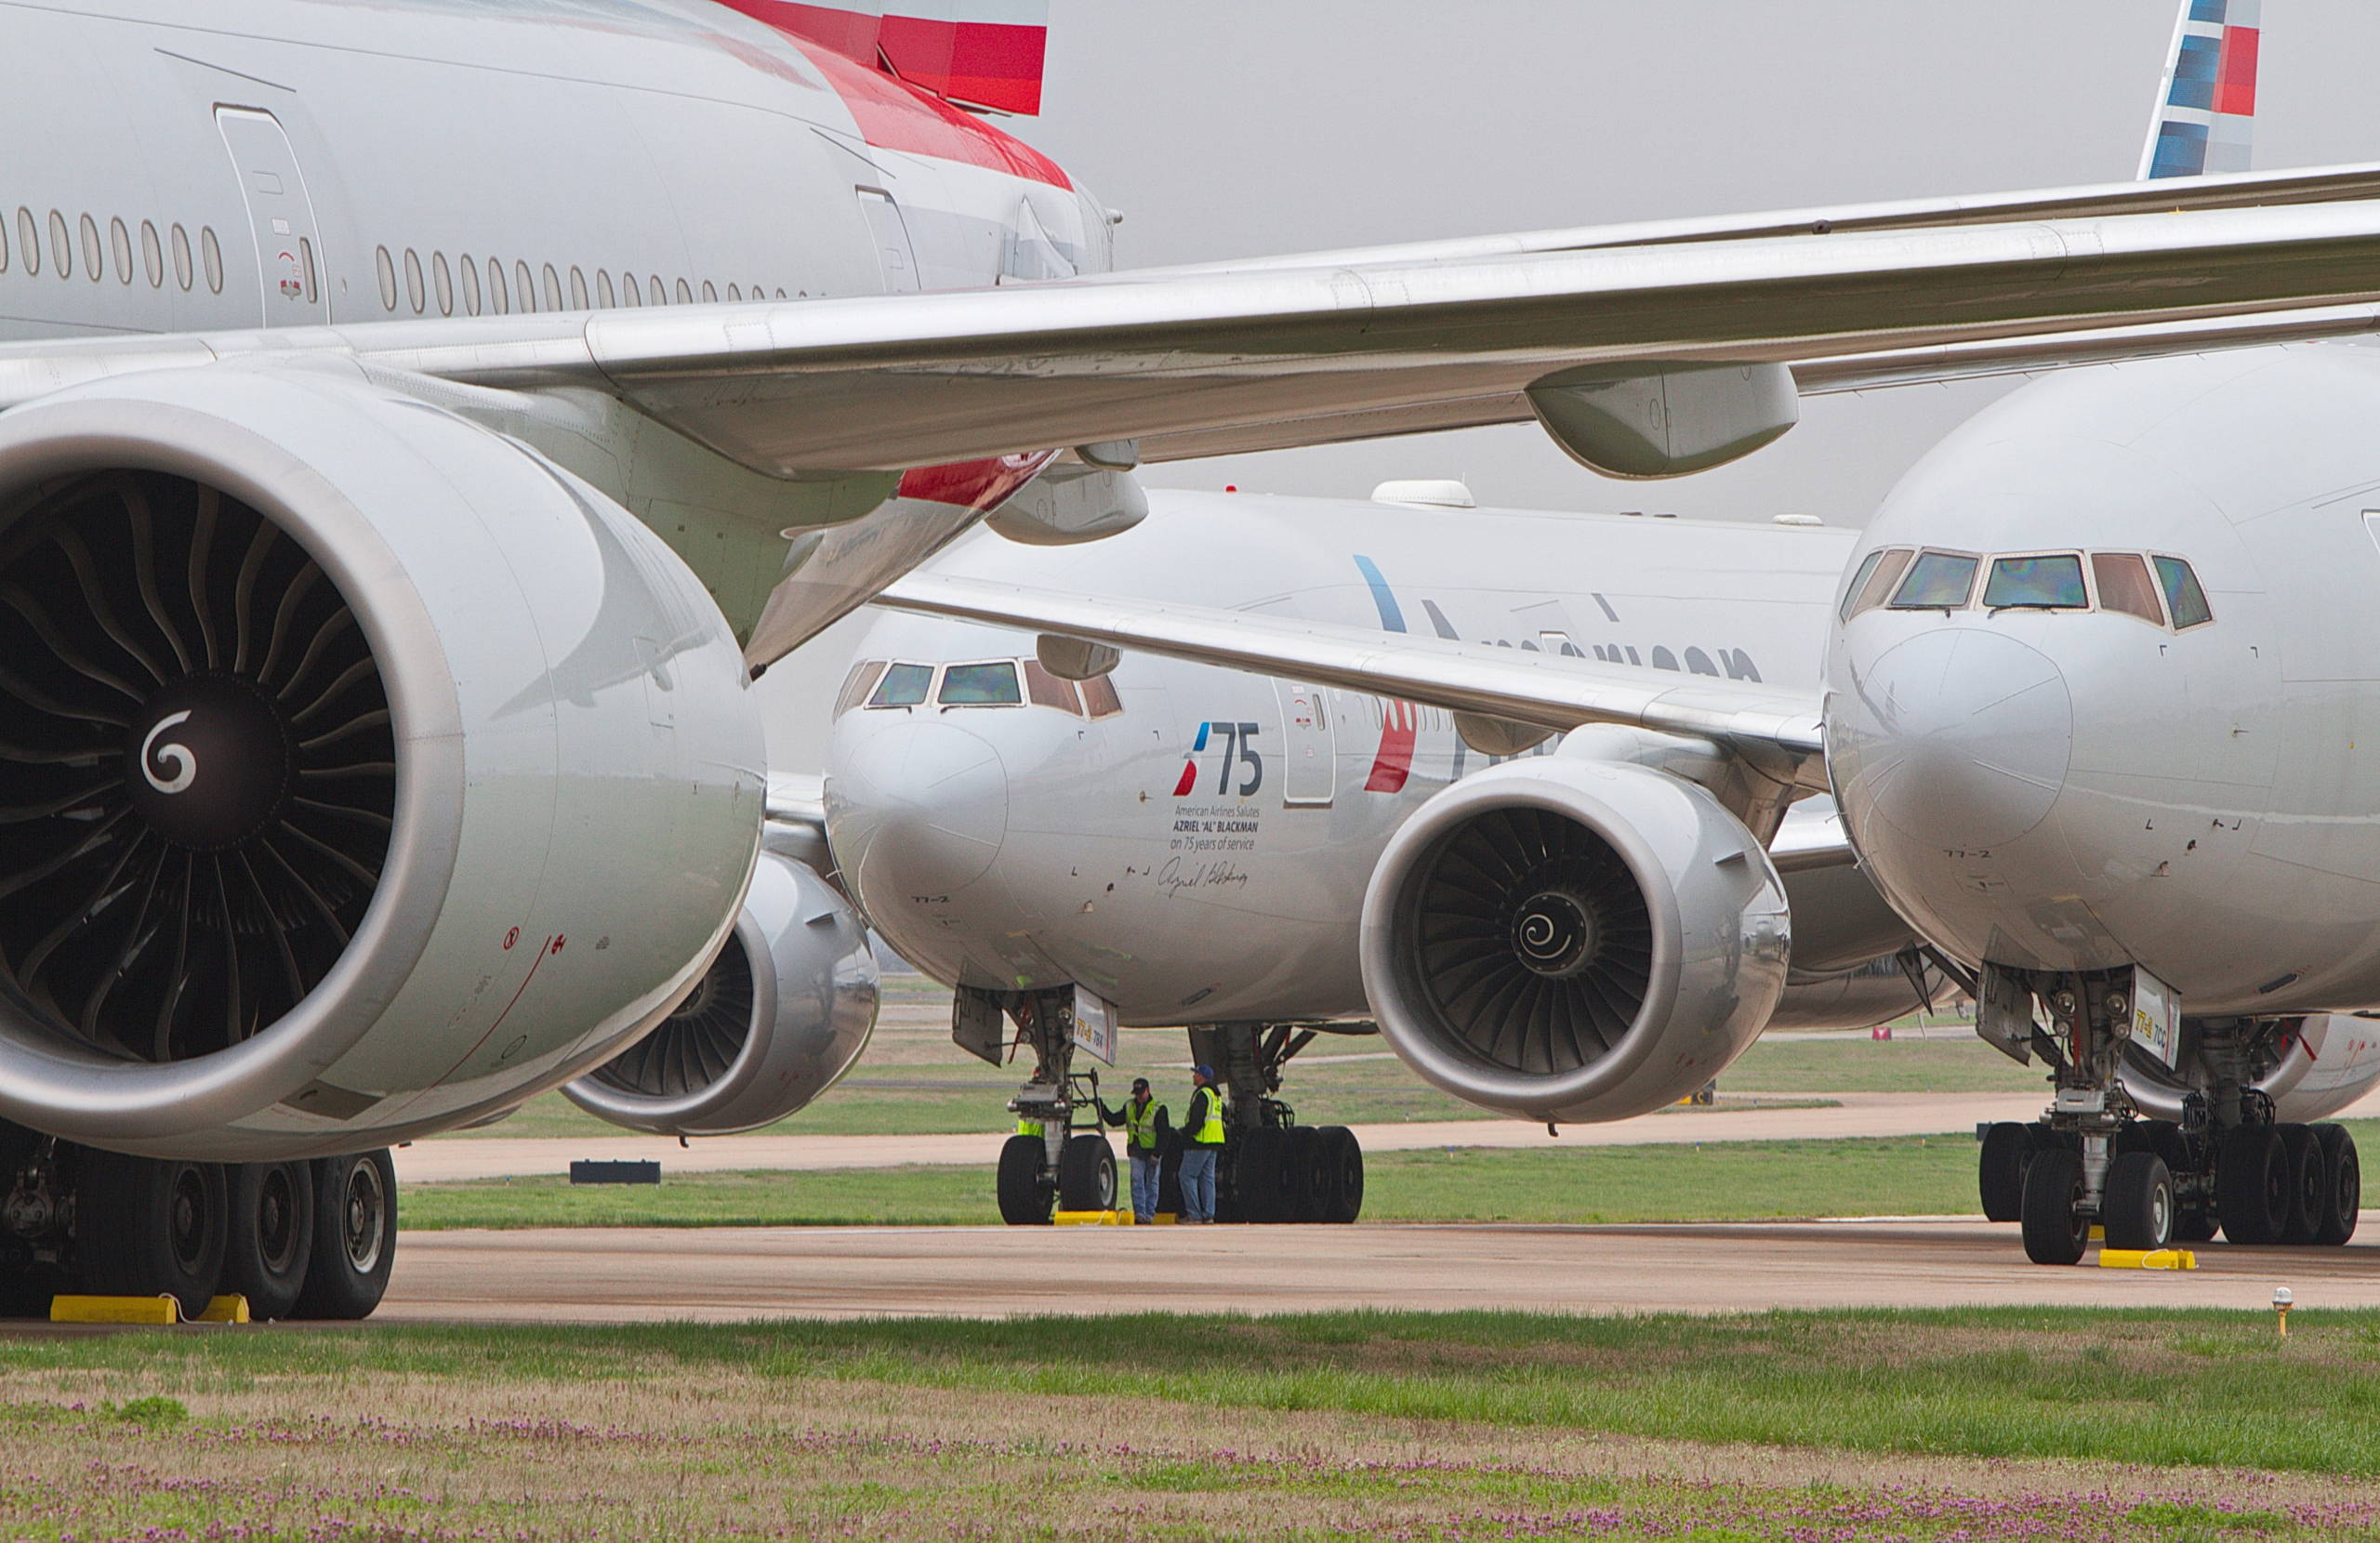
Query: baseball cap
x,y
1207,1072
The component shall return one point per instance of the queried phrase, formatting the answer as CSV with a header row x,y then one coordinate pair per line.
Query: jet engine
x,y
2314,1068
1566,940
363,769
780,1015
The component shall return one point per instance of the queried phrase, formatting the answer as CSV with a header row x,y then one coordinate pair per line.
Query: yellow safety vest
x,y
1028,1128
1139,1125
1207,1131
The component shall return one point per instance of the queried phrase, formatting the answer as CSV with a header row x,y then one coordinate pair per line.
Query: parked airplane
x,y
417,421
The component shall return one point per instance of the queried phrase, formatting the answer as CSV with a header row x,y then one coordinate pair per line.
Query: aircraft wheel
x,y
2251,1184
150,1227
2055,1230
2309,1185
2338,1150
1337,1174
2137,1208
355,1237
270,1244
1261,1175
1024,1199
1087,1174
2000,1170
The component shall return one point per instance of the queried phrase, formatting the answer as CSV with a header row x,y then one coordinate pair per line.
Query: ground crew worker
x,y
1204,1126
1145,1127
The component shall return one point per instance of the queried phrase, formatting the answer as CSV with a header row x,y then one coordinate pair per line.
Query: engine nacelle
x,y
1570,941
367,771
780,1015
2327,1063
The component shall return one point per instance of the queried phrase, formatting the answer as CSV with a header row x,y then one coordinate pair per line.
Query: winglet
x,y
2206,105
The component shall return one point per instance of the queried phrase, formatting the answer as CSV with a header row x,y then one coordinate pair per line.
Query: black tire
x,y
150,1227
270,1244
355,1237
1087,1174
1337,1174
2251,1185
2000,1169
2309,1185
2137,1207
2055,1230
1260,1176
1169,1179
1025,1195
1300,1172
2337,1148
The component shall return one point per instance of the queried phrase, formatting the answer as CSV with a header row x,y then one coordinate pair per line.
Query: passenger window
x,y
628,290
1048,691
2125,586
182,265
524,283
387,269
2183,597
603,292
1881,580
500,299
903,686
1938,581
577,288
857,684
657,294
441,282
686,293
120,243
1099,699
61,247
470,272
735,292
153,254
94,268
992,685
2053,583
29,239
553,288
710,295
210,254
412,280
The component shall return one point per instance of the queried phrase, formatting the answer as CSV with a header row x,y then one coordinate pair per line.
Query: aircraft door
x,y
1309,746
895,253
280,218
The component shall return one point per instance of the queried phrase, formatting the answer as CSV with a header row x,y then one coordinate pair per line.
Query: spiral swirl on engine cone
x,y
1534,940
197,768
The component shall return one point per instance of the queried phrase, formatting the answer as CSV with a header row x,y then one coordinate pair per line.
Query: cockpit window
x,y
857,684
1858,582
903,686
2183,596
987,685
2124,585
1881,580
1099,697
1048,691
2053,581
1938,581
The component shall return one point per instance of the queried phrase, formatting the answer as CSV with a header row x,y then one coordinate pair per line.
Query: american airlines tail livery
x,y
1543,797
419,421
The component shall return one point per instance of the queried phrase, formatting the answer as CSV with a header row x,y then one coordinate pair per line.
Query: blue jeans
x,y
1144,1182
1198,1183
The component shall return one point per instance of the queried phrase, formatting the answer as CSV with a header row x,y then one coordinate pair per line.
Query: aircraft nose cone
x,y
1954,738
922,808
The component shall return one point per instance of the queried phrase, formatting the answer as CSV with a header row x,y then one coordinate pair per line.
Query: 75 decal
x,y
1239,758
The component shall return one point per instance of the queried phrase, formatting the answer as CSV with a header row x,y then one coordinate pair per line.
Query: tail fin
x,y
983,53
2206,108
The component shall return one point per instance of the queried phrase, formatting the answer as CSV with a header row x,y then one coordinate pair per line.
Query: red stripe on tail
x,y
2235,76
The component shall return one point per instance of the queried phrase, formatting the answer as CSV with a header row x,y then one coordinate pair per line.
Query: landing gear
x,y
1087,1174
269,1246
2093,1160
1025,1199
1275,1169
298,1239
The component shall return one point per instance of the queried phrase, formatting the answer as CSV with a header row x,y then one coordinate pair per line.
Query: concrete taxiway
x,y
625,1276
1842,1115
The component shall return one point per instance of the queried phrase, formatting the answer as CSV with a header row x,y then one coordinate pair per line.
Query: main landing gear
x,y
2093,1160
1271,1169
298,1239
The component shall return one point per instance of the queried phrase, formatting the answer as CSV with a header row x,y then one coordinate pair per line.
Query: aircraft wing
x,y
923,379
1781,728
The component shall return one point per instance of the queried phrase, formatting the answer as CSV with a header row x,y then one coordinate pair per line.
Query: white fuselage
x,y
1201,854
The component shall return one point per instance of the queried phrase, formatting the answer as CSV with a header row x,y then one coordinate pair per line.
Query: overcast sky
x,y
1231,127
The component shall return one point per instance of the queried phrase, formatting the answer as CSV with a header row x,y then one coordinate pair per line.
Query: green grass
x,y
1854,1063
2130,1386
1721,1181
